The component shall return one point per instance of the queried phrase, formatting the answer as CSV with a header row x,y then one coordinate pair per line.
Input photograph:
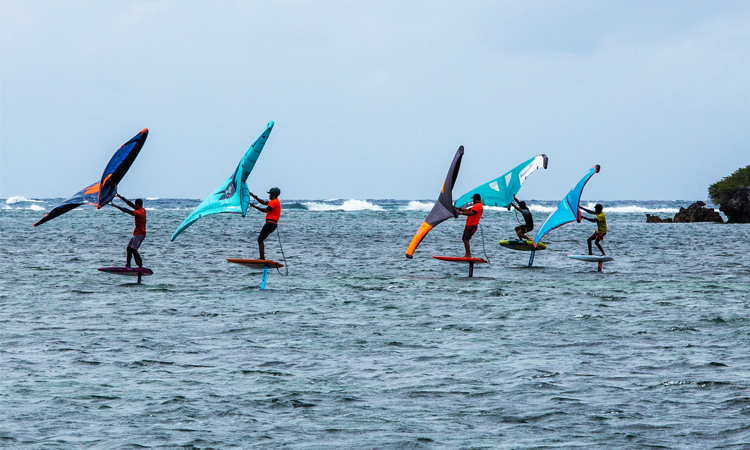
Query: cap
x,y
476,197
275,191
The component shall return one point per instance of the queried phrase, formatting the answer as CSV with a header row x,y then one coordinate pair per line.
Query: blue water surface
x,y
359,347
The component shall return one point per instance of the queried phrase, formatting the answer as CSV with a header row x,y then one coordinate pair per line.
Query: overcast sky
x,y
371,99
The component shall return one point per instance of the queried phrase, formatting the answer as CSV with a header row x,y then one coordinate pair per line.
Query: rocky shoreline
x,y
697,212
736,205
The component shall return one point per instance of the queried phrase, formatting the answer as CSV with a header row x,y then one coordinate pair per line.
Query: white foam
x,y
21,198
152,198
348,205
633,209
541,208
419,206
37,208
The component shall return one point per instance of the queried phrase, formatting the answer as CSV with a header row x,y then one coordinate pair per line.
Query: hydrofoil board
x,y
459,259
462,259
591,258
128,271
524,246
256,263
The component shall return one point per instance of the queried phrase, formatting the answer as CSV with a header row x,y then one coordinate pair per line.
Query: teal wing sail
x,y
233,196
568,210
501,190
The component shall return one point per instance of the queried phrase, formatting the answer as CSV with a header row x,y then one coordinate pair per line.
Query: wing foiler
x,y
103,191
502,190
443,209
233,195
568,210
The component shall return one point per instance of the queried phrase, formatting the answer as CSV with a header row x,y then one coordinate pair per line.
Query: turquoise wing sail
x,y
501,190
233,196
568,210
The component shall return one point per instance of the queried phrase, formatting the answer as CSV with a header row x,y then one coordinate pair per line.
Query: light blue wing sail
x,y
233,196
500,191
568,210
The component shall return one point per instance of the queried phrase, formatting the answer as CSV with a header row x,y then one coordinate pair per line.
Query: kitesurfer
x,y
522,229
273,211
473,216
139,234
601,226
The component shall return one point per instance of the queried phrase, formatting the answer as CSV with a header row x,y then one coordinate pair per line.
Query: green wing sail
x,y
233,195
501,190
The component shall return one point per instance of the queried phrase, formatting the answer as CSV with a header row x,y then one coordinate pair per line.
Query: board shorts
x,y
598,236
267,229
136,241
469,232
525,228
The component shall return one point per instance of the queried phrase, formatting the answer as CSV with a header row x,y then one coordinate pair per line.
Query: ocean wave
x,y
348,205
633,209
21,198
152,198
540,208
419,206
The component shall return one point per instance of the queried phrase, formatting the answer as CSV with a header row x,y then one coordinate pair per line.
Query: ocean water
x,y
359,347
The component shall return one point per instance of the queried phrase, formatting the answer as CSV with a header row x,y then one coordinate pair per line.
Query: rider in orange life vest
x,y
139,234
273,211
473,216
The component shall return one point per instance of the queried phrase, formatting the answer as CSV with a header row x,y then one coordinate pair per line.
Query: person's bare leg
x,y
589,243
600,248
467,246
262,249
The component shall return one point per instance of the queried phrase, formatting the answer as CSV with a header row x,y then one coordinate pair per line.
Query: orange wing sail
x,y
443,209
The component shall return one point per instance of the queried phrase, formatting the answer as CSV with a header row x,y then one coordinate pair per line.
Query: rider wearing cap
x,y
473,216
273,211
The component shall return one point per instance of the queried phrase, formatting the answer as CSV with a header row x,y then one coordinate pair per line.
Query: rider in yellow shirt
x,y
601,227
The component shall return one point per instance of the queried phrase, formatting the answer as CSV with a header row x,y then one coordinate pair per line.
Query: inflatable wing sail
x,y
443,208
86,195
118,167
233,195
568,210
500,191
104,191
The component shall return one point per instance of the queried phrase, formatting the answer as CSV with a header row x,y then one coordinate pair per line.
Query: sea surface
x,y
359,347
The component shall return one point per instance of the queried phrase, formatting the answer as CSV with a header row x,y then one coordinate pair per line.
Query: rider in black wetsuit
x,y
521,230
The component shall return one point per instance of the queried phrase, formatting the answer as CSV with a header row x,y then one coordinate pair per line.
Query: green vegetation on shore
x,y
740,177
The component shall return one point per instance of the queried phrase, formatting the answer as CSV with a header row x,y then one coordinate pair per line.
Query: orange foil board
x,y
459,259
257,263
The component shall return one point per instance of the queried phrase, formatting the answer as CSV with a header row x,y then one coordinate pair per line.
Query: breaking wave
x,y
633,209
19,199
348,205
419,206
